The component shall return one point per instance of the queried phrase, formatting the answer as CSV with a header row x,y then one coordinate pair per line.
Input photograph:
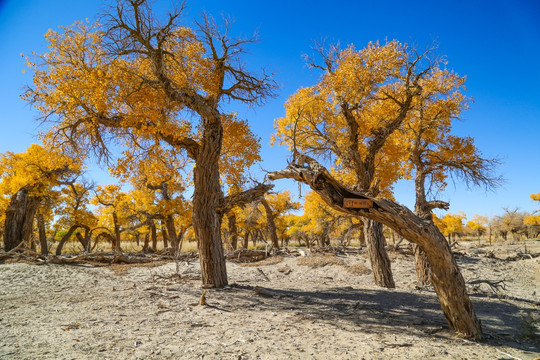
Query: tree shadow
x,y
385,311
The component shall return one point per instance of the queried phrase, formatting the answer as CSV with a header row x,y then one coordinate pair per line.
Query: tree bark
x,y
270,224
164,236
116,244
445,274
146,242
82,240
423,270
380,263
153,233
19,221
44,249
233,230
171,231
65,238
246,239
207,199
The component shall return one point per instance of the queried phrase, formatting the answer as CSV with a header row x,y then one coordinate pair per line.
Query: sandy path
x,y
86,312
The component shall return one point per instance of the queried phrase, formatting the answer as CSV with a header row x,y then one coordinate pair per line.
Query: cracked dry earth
x,y
274,309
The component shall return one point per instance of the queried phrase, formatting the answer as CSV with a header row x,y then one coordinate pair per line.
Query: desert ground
x,y
290,306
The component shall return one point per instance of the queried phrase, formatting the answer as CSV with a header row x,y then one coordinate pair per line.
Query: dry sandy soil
x,y
280,308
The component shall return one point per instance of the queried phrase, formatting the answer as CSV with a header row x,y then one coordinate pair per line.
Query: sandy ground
x,y
276,309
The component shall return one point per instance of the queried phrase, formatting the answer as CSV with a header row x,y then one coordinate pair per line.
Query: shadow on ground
x,y
385,311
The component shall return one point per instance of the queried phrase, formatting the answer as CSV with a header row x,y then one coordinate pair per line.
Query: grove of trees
x,y
145,97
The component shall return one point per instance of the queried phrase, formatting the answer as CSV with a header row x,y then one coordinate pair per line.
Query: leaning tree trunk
x,y
19,219
445,274
65,238
380,263
44,249
207,200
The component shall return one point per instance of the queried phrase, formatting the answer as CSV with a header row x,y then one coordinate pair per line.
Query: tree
x,y
352,117
156,169
478,224
435,155
511,222
28,178
72,212
136,80
275,206
451,225
532,221
445,274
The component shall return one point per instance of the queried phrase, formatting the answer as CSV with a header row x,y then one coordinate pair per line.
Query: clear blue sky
x,y
495,43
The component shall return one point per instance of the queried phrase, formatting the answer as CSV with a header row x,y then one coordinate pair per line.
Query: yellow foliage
x,y
38,170
357,99
450,223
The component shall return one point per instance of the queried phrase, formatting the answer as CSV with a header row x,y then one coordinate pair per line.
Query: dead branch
x,y
495,285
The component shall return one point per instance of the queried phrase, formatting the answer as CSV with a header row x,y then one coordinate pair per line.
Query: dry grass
x,y
358,269
317,261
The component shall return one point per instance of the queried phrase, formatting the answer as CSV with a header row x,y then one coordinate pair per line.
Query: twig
x,y
494,285
263,274
507,354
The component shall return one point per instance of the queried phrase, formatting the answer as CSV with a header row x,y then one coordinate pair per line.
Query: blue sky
x,y
495,43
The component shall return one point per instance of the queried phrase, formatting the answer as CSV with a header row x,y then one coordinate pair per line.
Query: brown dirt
x,y
276,310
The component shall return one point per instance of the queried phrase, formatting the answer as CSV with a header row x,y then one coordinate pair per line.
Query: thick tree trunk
x,y
233,230
44,249
380,263
207,200
423,271
445,275
19,221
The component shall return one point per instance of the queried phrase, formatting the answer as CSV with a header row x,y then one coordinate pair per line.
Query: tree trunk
x,y
153,233
380,263
233,230
270,224
146,242
207,201
44,249
82,240
19,221
116,244
171,231
246,239
164,236
423,272
65,238
445,275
